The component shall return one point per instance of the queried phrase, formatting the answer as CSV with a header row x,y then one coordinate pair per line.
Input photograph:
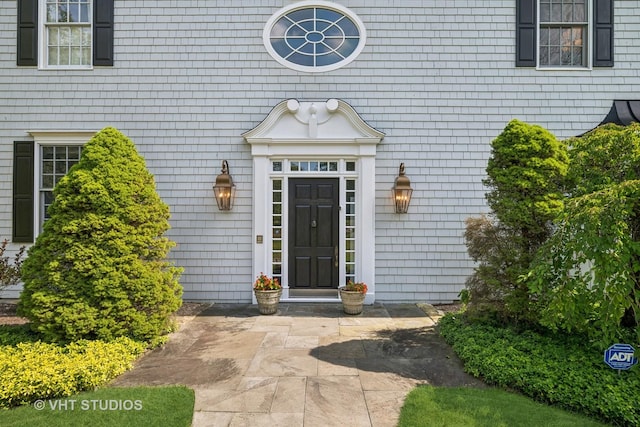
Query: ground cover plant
x,y
490,407
543,305
31,369
99,269
558,369
137,406
14,334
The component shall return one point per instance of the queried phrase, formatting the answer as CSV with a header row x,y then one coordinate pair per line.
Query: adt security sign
x,y
620,356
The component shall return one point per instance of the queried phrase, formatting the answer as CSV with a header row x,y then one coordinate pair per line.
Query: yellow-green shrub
x,y
31,371
100,267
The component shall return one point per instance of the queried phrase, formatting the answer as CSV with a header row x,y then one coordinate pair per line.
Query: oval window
x,y
314,36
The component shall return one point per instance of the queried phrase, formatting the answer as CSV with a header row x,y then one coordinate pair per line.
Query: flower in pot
x,y
268,291
352,296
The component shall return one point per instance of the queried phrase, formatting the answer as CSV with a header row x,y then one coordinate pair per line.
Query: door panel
x,y
313,233
303,231
325,226
325,268
303,191
303,271
325,191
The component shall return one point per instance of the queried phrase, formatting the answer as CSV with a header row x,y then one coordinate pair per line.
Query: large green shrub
x,y
526,172
526,177
588,274
99,268
37,370
562,370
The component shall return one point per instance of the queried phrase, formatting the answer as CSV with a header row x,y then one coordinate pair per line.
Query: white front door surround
x,y
292,141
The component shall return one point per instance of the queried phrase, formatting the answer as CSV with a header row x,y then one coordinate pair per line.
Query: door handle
x,y
335,256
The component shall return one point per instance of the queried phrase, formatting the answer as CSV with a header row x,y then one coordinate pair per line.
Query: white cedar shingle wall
x,y
191,76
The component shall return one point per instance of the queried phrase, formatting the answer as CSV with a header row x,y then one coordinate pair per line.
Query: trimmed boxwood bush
x,y
99,269
37,370
556,369
525,177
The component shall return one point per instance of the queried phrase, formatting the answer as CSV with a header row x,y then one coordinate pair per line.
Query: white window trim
x,y
588,50
266,35
43,63
342,175
50,137
296,131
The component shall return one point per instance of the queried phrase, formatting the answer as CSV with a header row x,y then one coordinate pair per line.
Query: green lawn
x,y
470,407
138,407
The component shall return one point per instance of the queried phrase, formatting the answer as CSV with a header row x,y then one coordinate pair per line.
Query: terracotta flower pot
x,y
352,301
268,300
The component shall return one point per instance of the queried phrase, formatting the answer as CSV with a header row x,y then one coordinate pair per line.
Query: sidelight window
x,y
350,231
276,227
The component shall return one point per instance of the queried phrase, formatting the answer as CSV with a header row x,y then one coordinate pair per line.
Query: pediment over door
x,y
314,130
312,123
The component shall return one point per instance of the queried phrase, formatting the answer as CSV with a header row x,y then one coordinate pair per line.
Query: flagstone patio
x,y
307,365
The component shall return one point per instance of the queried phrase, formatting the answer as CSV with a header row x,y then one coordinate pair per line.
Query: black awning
x,y
623,113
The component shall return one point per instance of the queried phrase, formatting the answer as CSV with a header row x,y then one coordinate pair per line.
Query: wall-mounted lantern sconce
x,y
402,191
224,190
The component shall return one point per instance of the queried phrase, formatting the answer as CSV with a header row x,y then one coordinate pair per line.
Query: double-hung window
x,y
67,33
38,166
564,34
55,162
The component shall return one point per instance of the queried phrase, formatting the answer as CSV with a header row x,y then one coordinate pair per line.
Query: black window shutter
x,y
103,33
526,46
23,191
27,48
603,33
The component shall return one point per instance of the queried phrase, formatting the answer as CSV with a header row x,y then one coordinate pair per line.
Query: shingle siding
x,y
189,77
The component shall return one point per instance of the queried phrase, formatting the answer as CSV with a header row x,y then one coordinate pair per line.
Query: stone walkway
x,y
308,365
